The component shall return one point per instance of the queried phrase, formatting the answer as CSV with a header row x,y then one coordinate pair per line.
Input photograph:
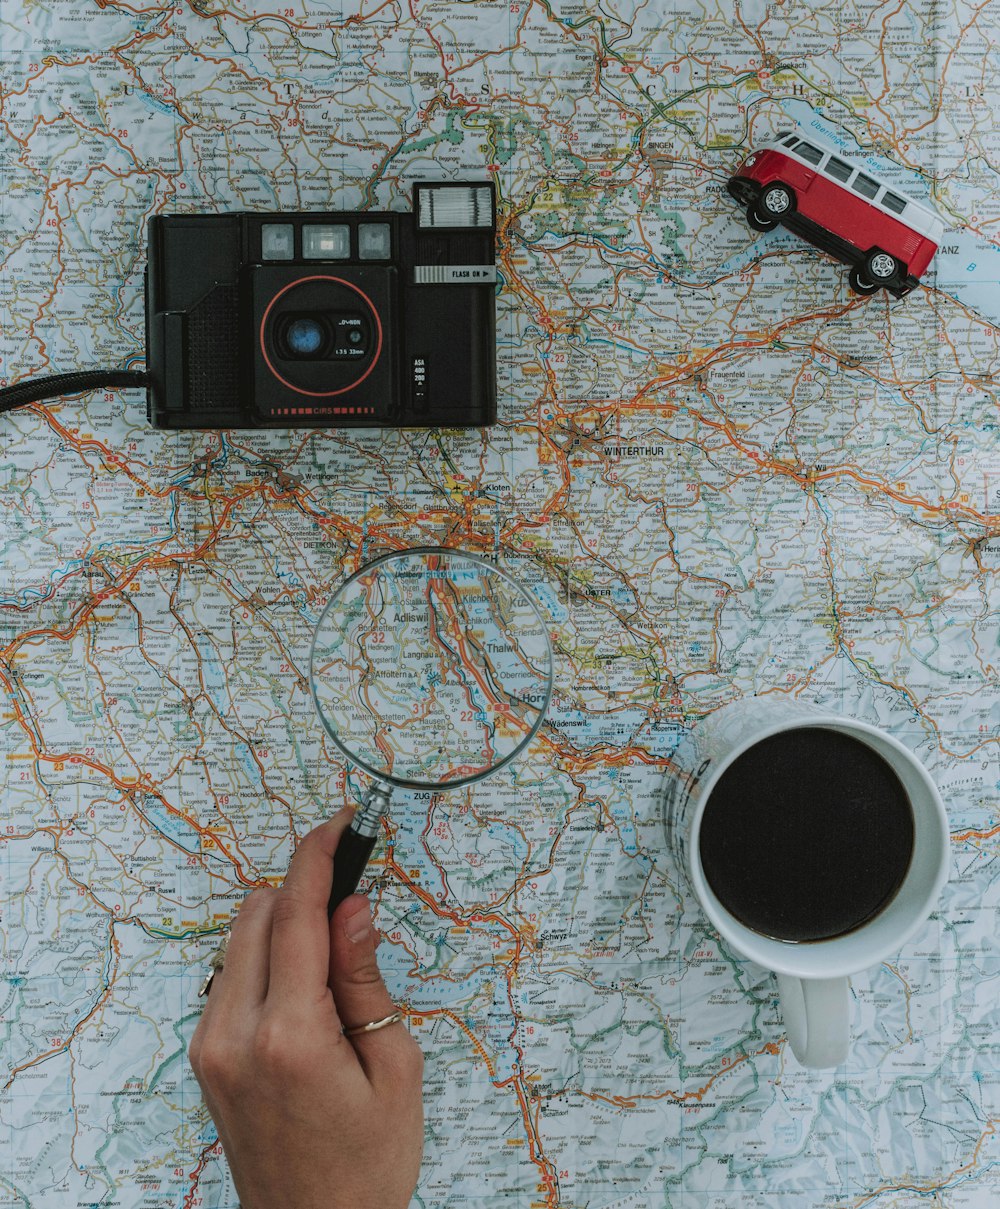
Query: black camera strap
x,y
34,390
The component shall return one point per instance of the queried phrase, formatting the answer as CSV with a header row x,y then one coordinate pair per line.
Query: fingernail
x,y
358,927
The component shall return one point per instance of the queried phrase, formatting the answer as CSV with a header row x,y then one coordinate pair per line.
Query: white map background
x,y
722,471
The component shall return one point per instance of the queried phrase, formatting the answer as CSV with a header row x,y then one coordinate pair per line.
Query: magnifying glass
x,y
430,669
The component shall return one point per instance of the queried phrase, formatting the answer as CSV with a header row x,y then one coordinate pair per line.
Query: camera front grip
x,y
815,1012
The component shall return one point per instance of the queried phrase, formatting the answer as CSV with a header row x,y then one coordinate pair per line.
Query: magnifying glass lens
x,y
431,668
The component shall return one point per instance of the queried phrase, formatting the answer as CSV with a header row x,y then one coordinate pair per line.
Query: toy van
x,y
810,187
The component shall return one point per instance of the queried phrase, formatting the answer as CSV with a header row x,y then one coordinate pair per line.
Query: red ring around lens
x,y
322,394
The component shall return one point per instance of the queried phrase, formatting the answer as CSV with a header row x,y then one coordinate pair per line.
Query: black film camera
x,y
342,319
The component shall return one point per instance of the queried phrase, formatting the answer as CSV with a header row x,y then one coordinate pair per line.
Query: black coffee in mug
x,y
806,835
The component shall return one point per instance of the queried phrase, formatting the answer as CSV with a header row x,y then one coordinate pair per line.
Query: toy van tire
x,y
882,268
860,284
758,221
775,201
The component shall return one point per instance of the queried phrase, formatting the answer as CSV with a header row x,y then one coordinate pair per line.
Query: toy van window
x,y
838,169
865,186
809,153
892,201
791,141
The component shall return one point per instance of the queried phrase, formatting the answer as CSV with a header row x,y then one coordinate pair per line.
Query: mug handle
x,y
815,1011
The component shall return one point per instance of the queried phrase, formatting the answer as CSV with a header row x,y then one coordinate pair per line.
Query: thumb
x,y
356,983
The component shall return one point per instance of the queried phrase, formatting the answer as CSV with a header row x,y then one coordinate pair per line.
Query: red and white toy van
x,y
809,186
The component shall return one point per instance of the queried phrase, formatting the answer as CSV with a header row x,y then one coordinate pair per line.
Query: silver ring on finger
x,y
215,964
373,1026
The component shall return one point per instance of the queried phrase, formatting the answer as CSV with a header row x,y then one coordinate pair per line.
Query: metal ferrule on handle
x,y
368,818
356,844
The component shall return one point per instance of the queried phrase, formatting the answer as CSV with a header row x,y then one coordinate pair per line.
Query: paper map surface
x,y
721,471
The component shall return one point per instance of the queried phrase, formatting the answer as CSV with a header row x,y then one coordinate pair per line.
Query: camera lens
x,y
304,337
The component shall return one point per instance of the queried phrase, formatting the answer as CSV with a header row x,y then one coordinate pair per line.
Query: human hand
x,y
309,1118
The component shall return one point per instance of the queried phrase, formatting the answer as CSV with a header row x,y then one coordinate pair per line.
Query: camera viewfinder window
x,y
374,241
277,241
326,241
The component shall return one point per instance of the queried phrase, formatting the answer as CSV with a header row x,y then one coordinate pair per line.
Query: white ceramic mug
x,y
811,976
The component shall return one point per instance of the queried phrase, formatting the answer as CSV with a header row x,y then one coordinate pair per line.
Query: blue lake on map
x,y
172,826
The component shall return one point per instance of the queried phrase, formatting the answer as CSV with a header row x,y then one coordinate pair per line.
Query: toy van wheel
x,y
860,284
776,201
758,221
881,267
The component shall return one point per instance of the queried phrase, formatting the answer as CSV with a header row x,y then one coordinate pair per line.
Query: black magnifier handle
x,y
356,844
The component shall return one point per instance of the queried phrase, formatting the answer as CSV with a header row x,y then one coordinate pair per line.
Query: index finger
x,y
300,930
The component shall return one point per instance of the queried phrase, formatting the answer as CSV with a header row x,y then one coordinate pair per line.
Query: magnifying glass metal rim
x,y
492,568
